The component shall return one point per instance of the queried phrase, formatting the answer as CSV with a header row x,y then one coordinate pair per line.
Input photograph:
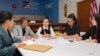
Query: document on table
x,y
28,42
38,47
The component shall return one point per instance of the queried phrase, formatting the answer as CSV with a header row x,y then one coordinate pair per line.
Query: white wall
x,y
71,8
98,3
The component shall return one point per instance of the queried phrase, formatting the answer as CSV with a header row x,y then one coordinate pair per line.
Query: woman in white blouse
x,y
45,30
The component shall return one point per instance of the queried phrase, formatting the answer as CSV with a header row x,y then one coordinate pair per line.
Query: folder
x,y
38,47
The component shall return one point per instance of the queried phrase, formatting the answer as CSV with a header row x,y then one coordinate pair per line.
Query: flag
x,y
93,9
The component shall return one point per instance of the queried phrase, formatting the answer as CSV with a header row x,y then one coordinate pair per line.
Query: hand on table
x,y
19,45
26,38
47,35
77,38
35,36
91,40
65,36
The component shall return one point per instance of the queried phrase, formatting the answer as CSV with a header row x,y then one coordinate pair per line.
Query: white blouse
x,y
40,29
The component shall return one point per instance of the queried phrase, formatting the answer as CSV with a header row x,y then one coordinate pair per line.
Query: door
x,y
83,13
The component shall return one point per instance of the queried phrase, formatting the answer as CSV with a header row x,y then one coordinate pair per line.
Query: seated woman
x,y
92,31
45,30
7,43
23,31
72,29
97,18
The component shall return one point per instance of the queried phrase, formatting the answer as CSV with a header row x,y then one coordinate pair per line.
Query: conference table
x,y
63,47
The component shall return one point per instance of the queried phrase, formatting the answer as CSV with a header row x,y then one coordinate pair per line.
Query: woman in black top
x,y
72,29
94,30
97,17
91,31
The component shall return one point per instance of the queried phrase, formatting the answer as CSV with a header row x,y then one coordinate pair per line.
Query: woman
x,y
72,29
7,43
91,31
23,31
45,30
97,17
94,30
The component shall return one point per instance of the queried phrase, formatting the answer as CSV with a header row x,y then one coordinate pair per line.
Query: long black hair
x,y
4,15
97,18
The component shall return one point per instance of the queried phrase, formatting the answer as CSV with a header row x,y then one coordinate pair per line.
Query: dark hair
x,y
22,19
73,17
97,18
4,15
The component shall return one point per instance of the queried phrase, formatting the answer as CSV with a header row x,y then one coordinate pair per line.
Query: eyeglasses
x,y
70,21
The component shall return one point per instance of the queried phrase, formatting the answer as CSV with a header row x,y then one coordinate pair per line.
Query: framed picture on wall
x,y
65,10
26,5
30,4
